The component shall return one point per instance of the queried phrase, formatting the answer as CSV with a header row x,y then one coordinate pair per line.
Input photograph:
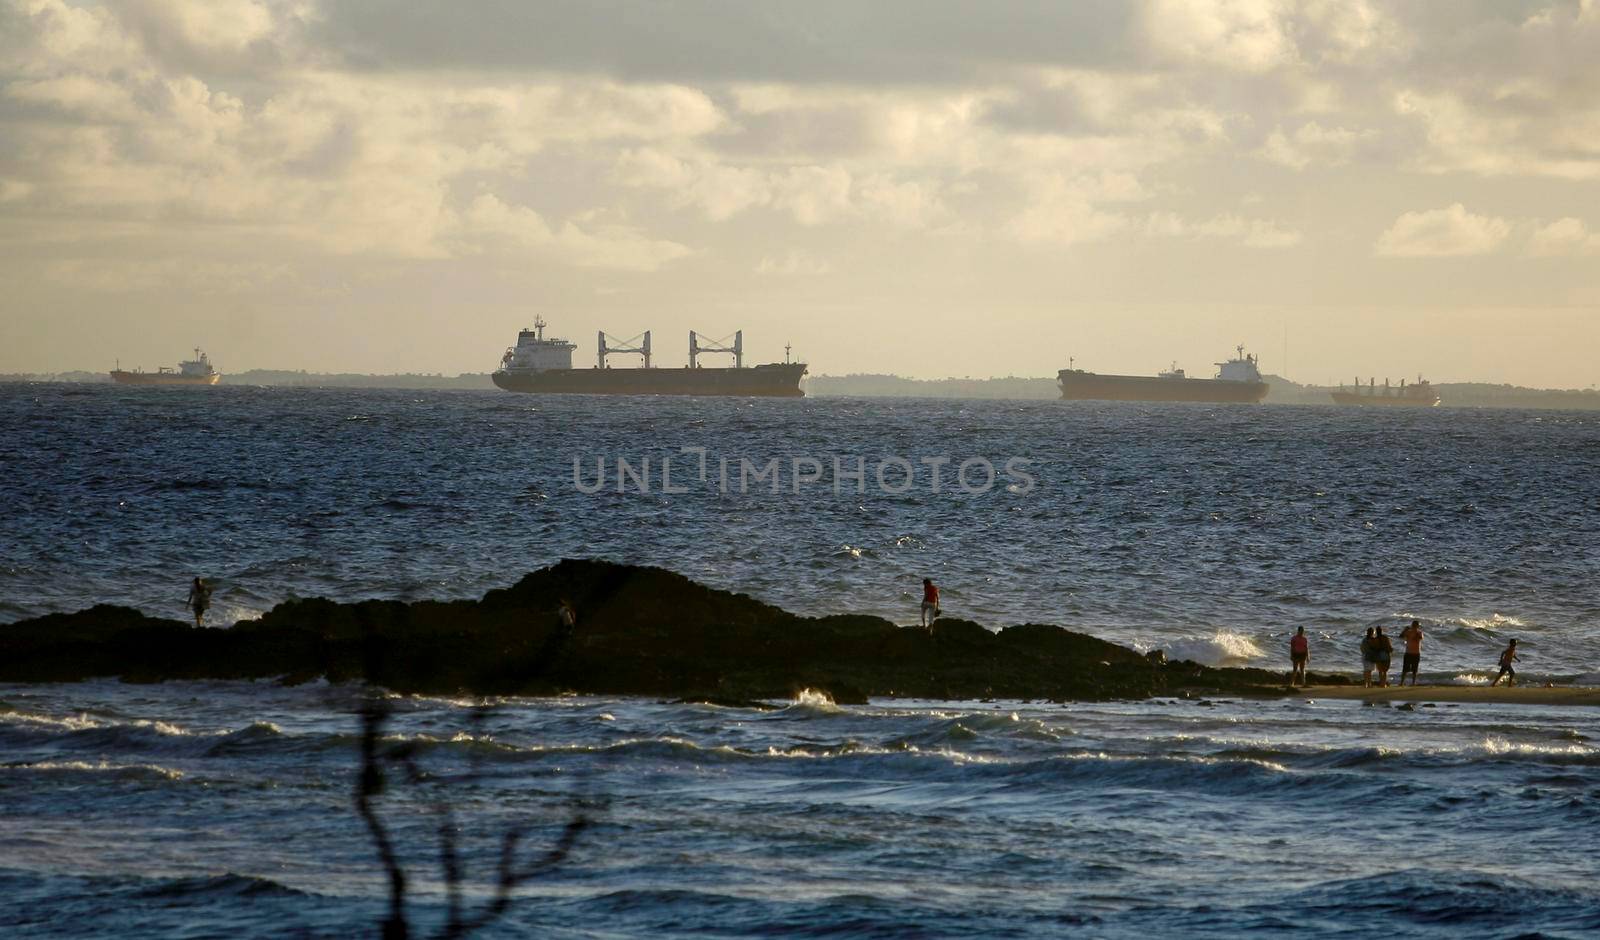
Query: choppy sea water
x,y
225,809
1210,531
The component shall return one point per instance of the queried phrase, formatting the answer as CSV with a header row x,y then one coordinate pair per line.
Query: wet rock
x,y
639,631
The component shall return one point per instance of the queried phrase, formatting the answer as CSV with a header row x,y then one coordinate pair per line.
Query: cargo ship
x,y
196,371
1237,380
542,365
1417,395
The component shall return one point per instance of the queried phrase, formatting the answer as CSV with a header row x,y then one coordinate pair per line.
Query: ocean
x,y
1211,532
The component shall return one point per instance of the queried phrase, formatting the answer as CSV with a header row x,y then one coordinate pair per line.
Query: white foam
x,y
1492,622
98,767
1222,648
79,722
814,698
232,614
1469,678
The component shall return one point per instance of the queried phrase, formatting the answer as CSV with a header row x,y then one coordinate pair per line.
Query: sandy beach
x,y
1474,694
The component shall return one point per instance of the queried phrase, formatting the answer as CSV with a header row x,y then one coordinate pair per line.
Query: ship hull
x,y
776,380
1384,401
1089,386
163,378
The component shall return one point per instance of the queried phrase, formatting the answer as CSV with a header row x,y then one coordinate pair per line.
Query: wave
x,y
228,885
99,770
1408,898
84,731
808,703
1222,648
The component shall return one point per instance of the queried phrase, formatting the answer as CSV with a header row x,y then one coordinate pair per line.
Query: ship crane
x,y
721,346
638,344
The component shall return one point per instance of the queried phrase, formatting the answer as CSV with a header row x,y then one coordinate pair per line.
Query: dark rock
x,y
639,631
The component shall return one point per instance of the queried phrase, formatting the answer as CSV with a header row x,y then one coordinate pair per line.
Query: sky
x,y
920,187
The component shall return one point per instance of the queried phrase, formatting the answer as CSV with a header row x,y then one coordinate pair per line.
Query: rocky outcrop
x,y
638,631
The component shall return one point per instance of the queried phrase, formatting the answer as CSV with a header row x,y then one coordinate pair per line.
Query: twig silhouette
x,y
377,764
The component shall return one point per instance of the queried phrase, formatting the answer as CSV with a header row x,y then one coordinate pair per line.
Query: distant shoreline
x,y
1003,388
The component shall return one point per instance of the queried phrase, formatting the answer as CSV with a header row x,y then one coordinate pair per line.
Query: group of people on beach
x,y
1377,651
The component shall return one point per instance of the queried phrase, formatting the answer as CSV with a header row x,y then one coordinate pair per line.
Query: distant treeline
x,y
1280,391
893,386
466,380
301,379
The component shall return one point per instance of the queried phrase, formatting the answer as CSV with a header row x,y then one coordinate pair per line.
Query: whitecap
x,y
1222,648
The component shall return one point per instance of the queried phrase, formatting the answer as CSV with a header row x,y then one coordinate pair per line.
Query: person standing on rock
x,y
1299,652
1412,636
199,600
930,604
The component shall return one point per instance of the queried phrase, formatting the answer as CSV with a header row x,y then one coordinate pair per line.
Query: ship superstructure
x,y
1237,380
1419,394
196,371
537,364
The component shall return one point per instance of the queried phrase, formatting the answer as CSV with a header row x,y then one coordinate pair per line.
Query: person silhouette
x,y
1299,652
1507,657
199,600
930,604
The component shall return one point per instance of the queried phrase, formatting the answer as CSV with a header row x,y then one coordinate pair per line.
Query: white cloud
x,y
1441,233
1062,210
1563,237
1247,35
490,225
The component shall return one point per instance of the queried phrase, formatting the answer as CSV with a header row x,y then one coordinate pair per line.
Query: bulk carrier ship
x,y
537,364
196,371
1418,395
1237,380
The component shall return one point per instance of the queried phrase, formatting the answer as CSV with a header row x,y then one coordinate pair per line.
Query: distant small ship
x,y
1418,395
538,365
196,371
1237,380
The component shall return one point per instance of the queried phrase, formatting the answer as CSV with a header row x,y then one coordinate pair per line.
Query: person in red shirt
x,y
1299,652
930,604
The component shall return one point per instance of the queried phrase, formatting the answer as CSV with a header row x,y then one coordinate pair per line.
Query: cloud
x,y
489,225
827,42
1248,35
1442,233
1312,143
1563,237
1506,95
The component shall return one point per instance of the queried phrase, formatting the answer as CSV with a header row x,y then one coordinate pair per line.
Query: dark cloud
x,y
896,41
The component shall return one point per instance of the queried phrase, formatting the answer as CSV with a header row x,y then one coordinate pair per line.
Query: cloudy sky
x,y
911,186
